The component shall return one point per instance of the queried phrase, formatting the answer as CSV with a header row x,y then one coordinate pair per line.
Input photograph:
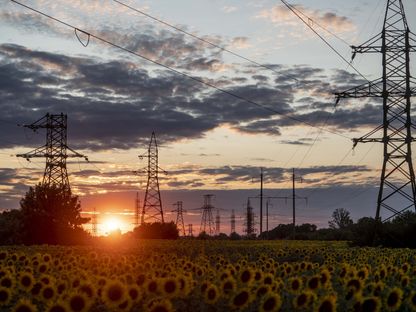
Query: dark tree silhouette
x,y
340,219
51,215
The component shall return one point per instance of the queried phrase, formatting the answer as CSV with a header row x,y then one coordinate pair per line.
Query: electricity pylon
x,y
397,192
232,221
152,205
249,220
56,150
207,222
137,210
179,217
217,222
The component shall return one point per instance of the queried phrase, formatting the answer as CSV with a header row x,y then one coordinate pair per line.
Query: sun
x,y
111,225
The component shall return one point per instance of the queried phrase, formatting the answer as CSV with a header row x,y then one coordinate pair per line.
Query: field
x,y
208,276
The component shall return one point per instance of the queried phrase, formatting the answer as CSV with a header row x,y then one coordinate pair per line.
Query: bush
x,y
156,230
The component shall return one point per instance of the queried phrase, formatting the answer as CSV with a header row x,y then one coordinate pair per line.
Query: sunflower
x,y
5,296
24,305
228,286
114,293
304,299
355,283
170,287
313,282
59,306
160,306
7,281
241,299
211,294
327,304
26,281
47,293
393,299
78,302
411,301
295,284
370,304
270,302
246,276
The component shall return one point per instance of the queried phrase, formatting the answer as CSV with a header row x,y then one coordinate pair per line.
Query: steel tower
x,y
179,217
249,219
232,221
207,222
56,150
397,192
152,205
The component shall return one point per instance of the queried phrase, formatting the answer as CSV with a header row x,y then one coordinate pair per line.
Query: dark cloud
x,y
116,104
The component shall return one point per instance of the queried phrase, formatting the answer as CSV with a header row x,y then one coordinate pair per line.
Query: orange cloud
x,y
282,15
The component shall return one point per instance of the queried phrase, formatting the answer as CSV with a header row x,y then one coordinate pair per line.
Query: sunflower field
x,y
190,275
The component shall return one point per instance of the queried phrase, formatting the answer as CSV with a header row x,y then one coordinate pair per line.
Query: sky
x,y
209,141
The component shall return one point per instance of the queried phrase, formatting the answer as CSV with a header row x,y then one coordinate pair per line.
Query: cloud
x,y
280,14
229,9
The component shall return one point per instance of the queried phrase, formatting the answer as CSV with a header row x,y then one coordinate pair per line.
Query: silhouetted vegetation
x,y
47,215
156,230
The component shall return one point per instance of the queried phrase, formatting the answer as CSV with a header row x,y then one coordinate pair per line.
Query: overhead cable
x,y
295,119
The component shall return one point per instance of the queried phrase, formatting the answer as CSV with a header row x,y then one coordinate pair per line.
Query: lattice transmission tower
x,y
207,222
56,150
397,192
232,221
152,204
249,223
137,208
179,217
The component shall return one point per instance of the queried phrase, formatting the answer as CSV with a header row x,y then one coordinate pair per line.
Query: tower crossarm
x,y
370,89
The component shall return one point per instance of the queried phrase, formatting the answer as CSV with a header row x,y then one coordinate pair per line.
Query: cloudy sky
x,y
282,115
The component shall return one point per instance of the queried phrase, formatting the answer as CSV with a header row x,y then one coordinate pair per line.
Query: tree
x,y
340,219
156,230
51,215
11,227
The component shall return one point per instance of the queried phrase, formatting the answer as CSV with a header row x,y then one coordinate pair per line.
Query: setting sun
x,y
111,225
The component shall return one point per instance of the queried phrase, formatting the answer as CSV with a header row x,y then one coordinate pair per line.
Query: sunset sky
x,y
209,141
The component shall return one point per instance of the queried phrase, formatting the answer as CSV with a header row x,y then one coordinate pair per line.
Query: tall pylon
x,y
137,208
179,217
207,222
232,221
397,192
249,219
56,150
217,222
94,222
152,205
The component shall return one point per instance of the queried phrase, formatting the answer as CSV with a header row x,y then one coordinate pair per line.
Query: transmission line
x,y
76,29
197,37
294,11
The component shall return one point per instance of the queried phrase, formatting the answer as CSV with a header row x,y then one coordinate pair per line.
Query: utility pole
x,y
55,150
294,197
397,191
261,200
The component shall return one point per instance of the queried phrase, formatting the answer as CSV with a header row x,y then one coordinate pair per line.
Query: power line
x,y
298,120
197,37
291,8
310,19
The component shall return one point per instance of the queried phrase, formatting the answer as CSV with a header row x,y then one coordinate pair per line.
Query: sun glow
x,y
111,225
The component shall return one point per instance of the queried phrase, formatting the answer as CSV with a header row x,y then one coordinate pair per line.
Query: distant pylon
x,y
217,222
232,221
207,222
94,222
190,230
249,219
397,192
137,210
152,205
179,217
55,150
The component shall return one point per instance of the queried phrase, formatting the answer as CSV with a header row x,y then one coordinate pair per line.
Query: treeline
x,y
398,232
